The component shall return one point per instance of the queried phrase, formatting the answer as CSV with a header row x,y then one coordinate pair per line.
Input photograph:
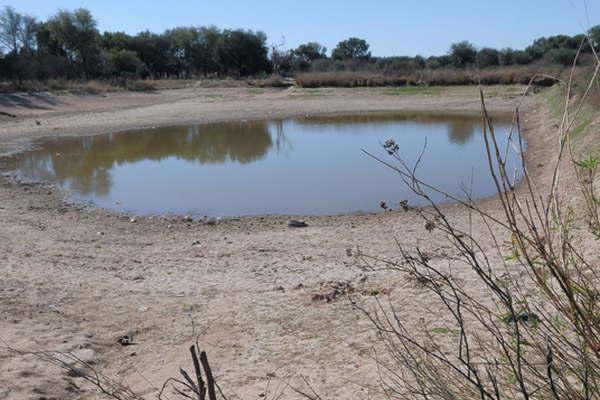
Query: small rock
x,y
297,224
54,308
430,226
525,317
126,340
188,218
318,297
142,309
530,318
280,289
133,220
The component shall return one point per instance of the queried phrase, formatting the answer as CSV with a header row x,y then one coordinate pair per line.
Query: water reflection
x,y
85,163
461,127
309,165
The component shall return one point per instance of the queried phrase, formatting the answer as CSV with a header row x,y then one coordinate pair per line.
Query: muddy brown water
x,y
299,166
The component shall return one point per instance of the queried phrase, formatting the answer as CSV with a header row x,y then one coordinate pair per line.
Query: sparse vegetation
x,y
534,332
433,77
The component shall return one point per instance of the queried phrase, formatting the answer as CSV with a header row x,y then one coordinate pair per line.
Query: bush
x,y
353,48
434,77
348,79
438,62
488,57
521,58
562,56
463,54
124,61
506,56
142,71
322,65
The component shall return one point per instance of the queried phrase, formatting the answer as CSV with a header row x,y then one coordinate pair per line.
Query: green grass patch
x,y
215,96
314,92
440,331
414,90
555,99
581,127
255,91
508,90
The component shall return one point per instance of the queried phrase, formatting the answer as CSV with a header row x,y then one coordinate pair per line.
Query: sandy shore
x,y
76,278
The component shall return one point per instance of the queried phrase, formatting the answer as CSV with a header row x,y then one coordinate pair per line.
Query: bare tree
x,y
27,33
10,29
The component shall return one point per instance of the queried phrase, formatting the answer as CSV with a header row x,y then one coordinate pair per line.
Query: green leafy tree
x,y
540,47
184,41
115,41
563,56
506,56
353,48
205,51
154,51
419,62
521,58
74,36
594,35
311,51
435,62
243,53
463,54
400,64
306,54
122,63
488,57
577,41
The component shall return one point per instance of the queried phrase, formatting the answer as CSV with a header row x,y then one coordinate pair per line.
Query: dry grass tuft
x,y
438,77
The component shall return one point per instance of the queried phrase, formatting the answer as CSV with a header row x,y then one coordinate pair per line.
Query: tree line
x,y
69,45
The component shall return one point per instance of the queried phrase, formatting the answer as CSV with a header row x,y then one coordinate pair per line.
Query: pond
x,y
299,166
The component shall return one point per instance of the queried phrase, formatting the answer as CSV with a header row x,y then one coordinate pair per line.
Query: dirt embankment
x,y
76,278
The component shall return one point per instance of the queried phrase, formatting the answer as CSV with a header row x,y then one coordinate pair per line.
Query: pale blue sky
x,y
399,27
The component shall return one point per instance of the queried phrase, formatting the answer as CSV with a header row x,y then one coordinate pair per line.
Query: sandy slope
x,y
74,279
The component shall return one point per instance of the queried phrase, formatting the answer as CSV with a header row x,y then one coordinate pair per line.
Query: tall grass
x,y
437,77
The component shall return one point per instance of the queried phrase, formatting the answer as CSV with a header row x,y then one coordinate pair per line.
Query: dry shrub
x,y
531,328
350,79
275,81
82,86
433,77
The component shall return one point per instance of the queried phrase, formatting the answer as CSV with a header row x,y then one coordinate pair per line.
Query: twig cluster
x,y
533,330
